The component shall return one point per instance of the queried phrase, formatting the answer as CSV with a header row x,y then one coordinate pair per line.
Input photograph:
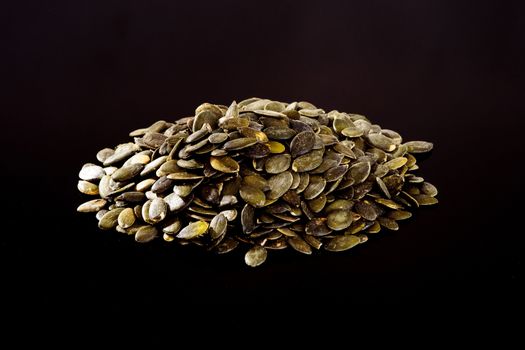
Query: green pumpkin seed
x,y
342,243
419,146
300,245
146,234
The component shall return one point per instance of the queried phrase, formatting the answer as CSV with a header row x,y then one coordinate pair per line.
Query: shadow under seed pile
x,y
264,174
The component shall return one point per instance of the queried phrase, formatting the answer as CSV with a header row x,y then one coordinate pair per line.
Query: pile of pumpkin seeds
x,y
261,174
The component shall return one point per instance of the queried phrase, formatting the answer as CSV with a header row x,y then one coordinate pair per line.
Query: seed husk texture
x,y
259,174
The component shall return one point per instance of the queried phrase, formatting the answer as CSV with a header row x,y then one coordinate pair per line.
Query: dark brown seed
x,y
366,210
317,227
302,143
162,185
248,218
131,197
227,245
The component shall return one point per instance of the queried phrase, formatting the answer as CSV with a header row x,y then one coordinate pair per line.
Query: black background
x,y
77,76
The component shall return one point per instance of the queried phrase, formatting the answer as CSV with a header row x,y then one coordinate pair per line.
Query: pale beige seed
x,y
91,172
145,185
92,206
87,187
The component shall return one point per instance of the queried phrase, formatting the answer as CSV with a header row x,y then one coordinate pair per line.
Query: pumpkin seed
x,y
298,176
342,243
255,256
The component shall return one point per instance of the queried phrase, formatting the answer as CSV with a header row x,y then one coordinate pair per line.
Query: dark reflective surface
x,y
79,77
